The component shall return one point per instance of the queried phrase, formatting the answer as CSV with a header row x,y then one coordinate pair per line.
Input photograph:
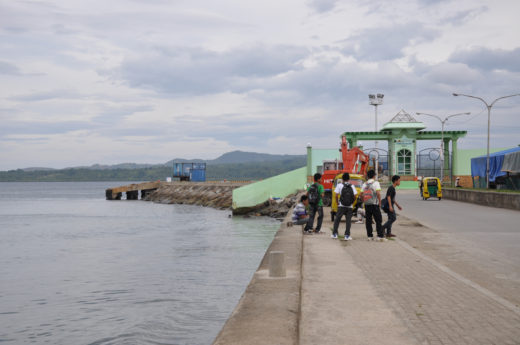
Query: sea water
x,y
77,269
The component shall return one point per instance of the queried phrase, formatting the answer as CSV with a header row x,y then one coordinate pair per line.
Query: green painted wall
x,y
319,155
409,185
464,159
277,186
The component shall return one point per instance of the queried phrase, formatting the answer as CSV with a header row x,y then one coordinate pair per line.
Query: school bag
x,y
314,195
384,205
369,194
347,195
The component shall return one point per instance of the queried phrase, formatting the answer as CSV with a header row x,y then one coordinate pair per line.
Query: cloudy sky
x,y
146,81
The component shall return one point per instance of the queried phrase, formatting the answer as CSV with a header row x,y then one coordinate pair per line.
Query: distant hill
x,y
240,157
236,165
117,166
37,169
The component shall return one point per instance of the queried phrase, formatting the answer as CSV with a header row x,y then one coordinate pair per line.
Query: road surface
x,y
481,243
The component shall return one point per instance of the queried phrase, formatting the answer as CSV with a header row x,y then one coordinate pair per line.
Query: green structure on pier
x,y
402,134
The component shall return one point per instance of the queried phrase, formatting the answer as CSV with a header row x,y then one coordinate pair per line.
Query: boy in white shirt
x,y
347,197
372,200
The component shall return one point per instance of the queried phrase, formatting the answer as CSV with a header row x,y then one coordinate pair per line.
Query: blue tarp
x,y
478,164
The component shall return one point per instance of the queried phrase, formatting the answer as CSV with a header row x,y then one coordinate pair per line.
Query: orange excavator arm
x,y
354,160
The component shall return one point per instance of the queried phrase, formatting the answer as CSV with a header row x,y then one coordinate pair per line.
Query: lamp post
x,y
442,136
488,106
376,100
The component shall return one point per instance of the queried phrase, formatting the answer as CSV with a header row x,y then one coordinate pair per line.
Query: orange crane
x,y
354,161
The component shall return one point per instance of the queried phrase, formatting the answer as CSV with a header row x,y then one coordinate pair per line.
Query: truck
x,y
353,161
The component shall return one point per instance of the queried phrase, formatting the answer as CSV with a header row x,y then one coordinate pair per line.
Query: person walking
x,y
315,194
390,209
345,196
372,200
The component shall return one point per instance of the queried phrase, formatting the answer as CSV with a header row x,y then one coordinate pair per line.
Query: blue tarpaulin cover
x,y
512,163
478,164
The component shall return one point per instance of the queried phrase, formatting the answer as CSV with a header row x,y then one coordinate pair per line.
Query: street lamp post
x,y
488,106
376,100
442,136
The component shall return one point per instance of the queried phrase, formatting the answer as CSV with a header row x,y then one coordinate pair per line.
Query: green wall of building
x,y
277,187
464,159
317,156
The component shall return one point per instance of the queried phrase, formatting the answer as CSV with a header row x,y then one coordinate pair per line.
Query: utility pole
x,y
488,106
376,100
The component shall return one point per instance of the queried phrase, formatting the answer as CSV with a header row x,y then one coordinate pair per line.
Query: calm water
x,y
77,269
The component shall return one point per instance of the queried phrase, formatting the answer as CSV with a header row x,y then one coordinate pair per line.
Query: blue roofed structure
x,y
496,161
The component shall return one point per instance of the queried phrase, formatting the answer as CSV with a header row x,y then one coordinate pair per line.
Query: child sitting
x,y
299,215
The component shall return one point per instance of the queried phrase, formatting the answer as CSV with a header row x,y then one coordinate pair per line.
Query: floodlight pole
x,y
488,106
442,136
376,100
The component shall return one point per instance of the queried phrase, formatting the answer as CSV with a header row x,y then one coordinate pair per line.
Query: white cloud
x,y
146,81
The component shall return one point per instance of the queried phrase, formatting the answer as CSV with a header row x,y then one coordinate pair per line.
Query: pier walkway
x,y
452,282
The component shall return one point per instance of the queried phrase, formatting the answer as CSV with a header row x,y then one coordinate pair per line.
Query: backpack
x,y
314,195
384,205
369,195
347,195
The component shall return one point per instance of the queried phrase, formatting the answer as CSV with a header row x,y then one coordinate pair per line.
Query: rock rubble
x,y
218,195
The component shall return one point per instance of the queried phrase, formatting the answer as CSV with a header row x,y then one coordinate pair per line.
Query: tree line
x,y
231,171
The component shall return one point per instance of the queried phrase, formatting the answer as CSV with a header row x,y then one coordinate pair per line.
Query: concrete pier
x,y
132,190
277,264
437,283
215,194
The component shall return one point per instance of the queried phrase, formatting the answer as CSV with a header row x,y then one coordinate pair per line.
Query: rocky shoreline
x,y
271,208
218,195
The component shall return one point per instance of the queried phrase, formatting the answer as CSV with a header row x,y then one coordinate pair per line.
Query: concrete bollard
x,y
276,264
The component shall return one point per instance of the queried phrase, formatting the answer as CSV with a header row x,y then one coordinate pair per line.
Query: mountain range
x,y
236,165
233,157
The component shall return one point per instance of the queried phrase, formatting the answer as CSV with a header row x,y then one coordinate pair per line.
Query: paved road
x,y
482,243
414,290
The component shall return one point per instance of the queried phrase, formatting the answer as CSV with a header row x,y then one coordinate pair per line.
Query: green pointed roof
x,y
403,120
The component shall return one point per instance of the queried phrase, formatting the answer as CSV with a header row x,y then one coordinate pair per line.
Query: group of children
x,y
345,195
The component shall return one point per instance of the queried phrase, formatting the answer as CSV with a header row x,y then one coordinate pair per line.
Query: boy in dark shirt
x,y
390,199
315,207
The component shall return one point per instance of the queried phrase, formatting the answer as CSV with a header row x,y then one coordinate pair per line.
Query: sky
x,y
147,81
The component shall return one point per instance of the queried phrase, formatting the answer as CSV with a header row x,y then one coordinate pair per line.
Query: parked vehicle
x,y
356,180
431,188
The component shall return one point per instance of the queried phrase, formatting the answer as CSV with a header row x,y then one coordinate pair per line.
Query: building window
x,y
404,162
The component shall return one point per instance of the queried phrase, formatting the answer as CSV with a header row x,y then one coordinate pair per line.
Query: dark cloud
x,y
431,2
199,71
9,69
15,127
387,43
489,59
46,95
461,17
113,115
322,6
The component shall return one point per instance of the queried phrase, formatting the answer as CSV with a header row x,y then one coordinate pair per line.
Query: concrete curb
x,y
269,310
485,198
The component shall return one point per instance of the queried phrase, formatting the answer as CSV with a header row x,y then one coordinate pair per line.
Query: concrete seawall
x,y
211,194
486,198
269,310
